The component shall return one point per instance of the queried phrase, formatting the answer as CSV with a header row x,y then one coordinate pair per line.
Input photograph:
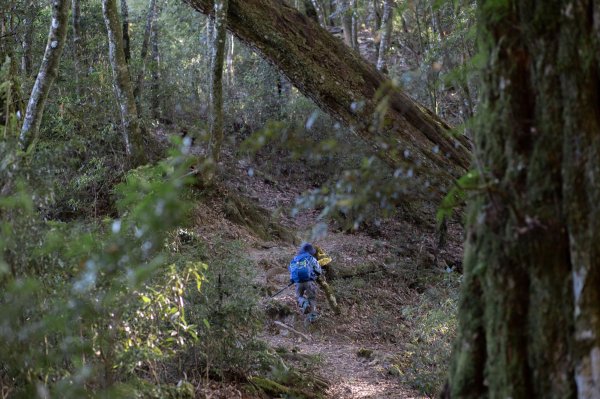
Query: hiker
x,y
304,270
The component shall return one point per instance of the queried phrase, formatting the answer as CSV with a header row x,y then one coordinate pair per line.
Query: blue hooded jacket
x,y
307,251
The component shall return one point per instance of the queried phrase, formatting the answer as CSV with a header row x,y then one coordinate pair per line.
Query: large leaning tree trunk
x,y
529,320
404,134
47,73
131,131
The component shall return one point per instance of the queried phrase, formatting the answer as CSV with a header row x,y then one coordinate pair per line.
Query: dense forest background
x,y
162,160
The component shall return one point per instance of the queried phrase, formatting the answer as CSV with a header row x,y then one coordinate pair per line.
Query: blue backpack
x,y
301,269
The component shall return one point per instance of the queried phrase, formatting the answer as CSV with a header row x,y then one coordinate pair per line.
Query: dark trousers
x,y
307,293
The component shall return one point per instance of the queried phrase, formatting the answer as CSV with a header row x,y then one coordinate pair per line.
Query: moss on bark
x,y
531,229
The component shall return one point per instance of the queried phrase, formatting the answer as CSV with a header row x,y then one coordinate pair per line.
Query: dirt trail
x,y
349,377
335,340
371,319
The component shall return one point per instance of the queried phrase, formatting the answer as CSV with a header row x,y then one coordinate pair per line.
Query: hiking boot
x,y
305,307
312,317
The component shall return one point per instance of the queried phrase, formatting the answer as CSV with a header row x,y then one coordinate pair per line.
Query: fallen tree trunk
x,y
400,131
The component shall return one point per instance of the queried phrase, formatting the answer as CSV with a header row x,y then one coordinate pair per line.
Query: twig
x,y
280,324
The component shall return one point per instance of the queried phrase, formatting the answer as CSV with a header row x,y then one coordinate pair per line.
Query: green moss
x,y
363,352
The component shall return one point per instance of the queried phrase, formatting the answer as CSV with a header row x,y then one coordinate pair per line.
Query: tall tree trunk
x,y
155,85
11,99
311,11
132,135
216,78
27,42
529,320
230,58
76,21
345,13
125,30
348,87
320,12
137,91
387,25
354,24
47,73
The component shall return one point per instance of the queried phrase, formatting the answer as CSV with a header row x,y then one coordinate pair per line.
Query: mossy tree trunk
x,y
217,56
131,131
139,85
155,74
47,73
344,11
76,21
125,30
27,42
385,34
401,132
529,320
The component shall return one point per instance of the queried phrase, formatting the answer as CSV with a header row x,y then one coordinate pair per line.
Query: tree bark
x,y
387,24
125,30
230,57
216,78
529,320
345,13
28,28
155,72
137,91
47,73
311,11
401,132
354,25
76,21
320,12
131,131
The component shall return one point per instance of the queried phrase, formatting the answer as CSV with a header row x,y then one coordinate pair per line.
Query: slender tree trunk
x,y
386,34
310,10
76,21
125,30
348,87
155,85
354,24
375,18
216,78
47,73
230,57
345,13
11,99
137,91
28,29
131,131
529,321
320,12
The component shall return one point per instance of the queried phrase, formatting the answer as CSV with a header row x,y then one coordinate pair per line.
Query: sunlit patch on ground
x,y
368,389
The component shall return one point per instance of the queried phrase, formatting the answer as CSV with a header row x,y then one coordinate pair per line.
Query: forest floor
x,y
359,352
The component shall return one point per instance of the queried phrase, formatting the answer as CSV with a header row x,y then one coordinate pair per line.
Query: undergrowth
x,y
432,319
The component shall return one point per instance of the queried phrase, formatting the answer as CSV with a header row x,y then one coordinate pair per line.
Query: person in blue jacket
x,y
304,270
